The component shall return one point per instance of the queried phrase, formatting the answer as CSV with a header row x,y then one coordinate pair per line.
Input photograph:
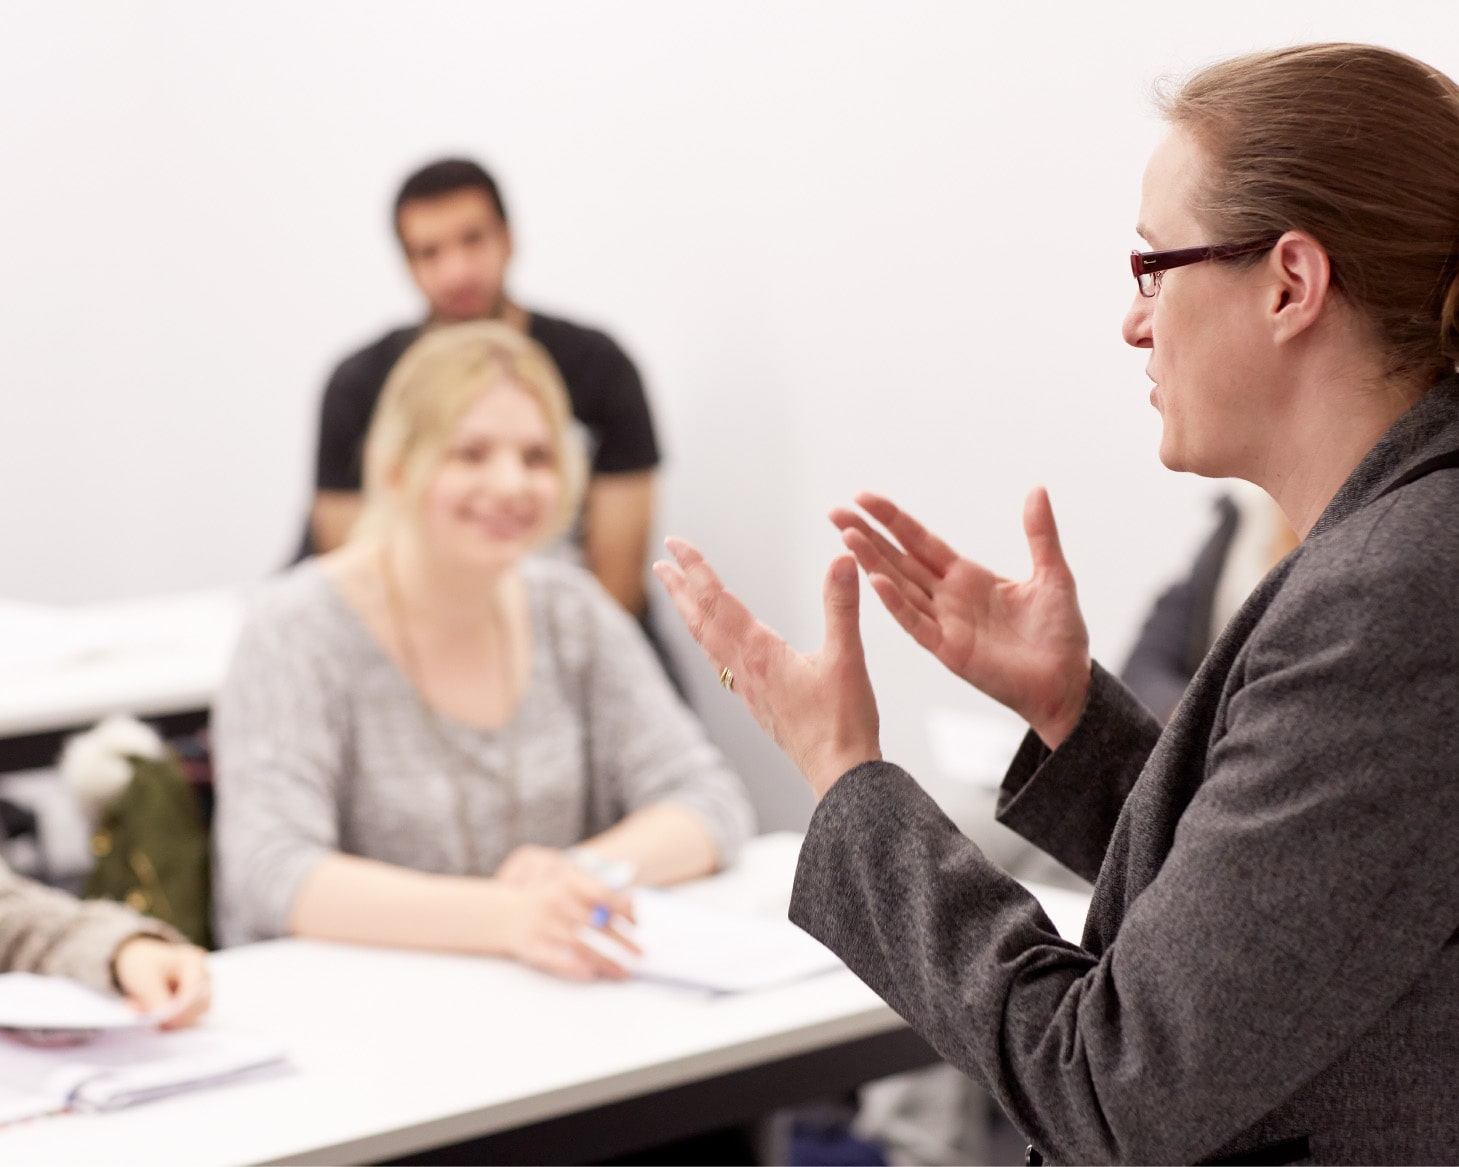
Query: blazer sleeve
x,y
1066,802
1309,887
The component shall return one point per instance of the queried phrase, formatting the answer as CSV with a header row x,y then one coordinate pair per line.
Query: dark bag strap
x,y
1445,461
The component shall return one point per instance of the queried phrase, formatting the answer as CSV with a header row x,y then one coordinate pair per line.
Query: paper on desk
x,y
28,1001
125,1067
689,942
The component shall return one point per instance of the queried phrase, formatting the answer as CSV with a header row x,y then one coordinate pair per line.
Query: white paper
x,y
688,942
28,1001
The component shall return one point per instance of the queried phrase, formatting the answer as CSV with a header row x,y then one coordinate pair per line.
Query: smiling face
x,y
1209,354
498,491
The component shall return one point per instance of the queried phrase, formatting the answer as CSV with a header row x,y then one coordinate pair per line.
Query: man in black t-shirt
x,y
452,226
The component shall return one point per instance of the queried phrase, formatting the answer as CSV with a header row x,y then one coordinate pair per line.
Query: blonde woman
x,y
429,739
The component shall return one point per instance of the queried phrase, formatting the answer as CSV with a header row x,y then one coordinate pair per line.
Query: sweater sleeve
x,y
43,930
280,745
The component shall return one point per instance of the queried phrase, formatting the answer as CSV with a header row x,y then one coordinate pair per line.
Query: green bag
x,y
151,849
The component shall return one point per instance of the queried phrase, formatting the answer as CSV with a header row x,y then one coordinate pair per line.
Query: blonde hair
x,y
432,387
1359,147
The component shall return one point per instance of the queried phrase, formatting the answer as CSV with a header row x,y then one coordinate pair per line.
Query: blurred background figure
x,y
451,221
1251,537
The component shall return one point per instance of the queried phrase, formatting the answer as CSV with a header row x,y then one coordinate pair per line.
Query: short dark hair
x,y
445,177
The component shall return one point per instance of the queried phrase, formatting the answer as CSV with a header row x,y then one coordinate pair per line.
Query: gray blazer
x,y
1271,962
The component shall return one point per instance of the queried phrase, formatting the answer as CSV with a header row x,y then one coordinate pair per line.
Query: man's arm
x,y
332,516
617,519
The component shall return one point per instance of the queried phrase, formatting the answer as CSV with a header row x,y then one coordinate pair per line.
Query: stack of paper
x,y
64,1046
689,942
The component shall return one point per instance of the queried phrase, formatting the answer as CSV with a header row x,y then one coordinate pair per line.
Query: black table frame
x,y
678,1112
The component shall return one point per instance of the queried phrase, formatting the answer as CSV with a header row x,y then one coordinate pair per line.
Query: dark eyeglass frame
x,y
1148,265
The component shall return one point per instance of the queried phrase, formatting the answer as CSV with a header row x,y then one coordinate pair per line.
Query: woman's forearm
x,y
363,901
665,841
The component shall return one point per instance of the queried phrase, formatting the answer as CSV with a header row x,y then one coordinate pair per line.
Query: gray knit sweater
x,y
322,745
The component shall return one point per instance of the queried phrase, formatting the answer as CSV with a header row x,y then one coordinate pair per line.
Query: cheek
x,y
548,487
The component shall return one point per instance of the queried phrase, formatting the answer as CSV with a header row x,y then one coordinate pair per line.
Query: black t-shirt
x,y
602,384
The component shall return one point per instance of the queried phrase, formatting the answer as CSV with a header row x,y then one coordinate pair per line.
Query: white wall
x,y
852,246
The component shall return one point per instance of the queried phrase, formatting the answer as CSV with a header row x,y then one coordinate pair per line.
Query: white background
x,y
850,245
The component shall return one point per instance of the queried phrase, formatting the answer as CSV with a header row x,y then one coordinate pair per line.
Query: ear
x,y
1303,283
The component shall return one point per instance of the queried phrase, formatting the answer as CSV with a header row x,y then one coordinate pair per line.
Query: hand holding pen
x,y
557,901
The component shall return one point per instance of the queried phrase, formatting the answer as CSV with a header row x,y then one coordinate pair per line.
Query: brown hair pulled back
x,y
1359,147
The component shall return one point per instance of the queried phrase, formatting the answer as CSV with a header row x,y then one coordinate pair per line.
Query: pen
x,y
617,874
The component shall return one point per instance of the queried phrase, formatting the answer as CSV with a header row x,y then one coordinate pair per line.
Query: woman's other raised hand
x,y
1023,643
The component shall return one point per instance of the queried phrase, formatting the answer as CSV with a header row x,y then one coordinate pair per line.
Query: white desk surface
x,y
397,1051
68,666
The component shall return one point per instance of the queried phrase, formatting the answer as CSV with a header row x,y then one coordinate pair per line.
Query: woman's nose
x,y
1136,328
506,473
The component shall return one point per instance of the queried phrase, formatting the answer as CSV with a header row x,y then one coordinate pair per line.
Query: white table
x,y
397,1052
63,668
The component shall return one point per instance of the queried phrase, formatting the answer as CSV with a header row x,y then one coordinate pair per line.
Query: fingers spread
x,y
923,628
920,543
876,553
876,564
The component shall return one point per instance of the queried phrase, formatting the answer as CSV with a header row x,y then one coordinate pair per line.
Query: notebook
x,y
64,1046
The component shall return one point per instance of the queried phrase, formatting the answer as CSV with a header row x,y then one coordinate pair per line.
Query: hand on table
x,y
551,901
153,974
1023,643
818,707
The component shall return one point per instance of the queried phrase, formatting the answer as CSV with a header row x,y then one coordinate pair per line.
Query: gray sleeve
x,y
280,748
46,931
1308,887
646,745
1066,802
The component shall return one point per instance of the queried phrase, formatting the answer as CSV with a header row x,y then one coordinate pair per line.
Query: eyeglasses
x,y
1148,265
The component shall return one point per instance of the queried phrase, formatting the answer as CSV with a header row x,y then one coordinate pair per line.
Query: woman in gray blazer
x,y
1270,969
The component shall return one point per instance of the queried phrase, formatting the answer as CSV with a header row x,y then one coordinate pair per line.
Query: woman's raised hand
x,y
1023,643
818,707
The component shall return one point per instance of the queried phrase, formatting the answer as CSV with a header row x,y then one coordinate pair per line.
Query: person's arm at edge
x,y
101,944
618,522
